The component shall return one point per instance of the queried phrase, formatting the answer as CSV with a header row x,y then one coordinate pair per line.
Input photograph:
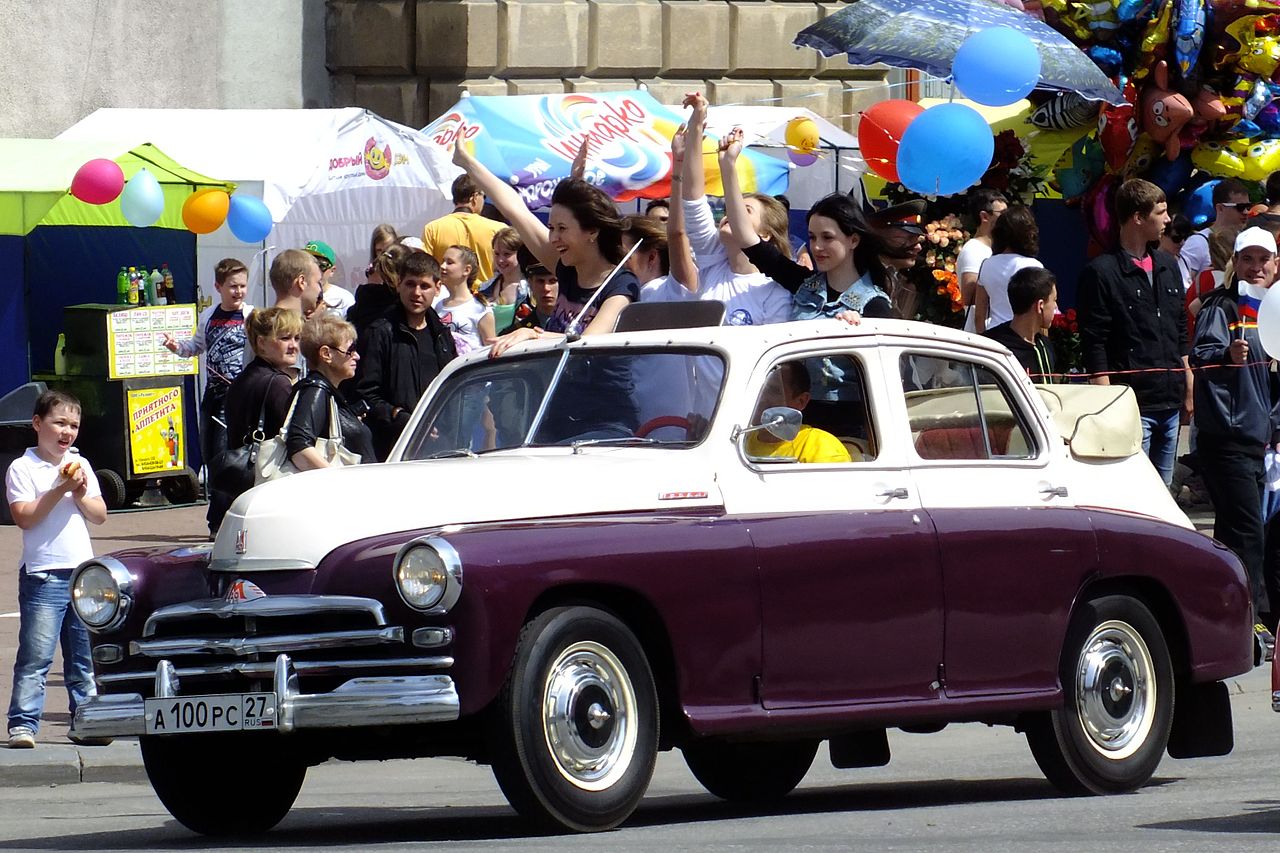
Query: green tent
x,y
35,175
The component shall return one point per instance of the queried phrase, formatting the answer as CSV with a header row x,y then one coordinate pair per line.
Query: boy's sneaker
x,y
22,739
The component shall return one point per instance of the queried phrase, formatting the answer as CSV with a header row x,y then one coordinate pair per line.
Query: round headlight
x,y
96,596
428,574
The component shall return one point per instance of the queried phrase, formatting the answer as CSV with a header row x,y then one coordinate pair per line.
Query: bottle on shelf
x,y
155,288
122,287
60,355
133,286
169,294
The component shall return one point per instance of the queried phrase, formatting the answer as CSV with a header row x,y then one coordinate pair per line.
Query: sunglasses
x,y
346,353
1240,206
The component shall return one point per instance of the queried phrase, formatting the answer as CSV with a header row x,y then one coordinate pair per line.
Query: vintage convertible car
x,y
586,552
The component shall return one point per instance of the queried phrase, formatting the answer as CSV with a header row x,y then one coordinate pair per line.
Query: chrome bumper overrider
x,y
359,702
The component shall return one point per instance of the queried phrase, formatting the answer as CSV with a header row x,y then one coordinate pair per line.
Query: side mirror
x,y
782,422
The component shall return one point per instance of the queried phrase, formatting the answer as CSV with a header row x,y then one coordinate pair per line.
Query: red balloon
x,y
879,132
99,181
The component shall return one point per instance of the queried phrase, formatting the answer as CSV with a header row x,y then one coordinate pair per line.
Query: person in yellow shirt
x,y
788,385
464,227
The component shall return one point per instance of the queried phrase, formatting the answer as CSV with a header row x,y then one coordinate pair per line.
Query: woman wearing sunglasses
x,y
329,345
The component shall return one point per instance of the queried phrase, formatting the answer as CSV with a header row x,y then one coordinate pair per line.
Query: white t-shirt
x,y
994,279
1194,257
750,299
338,300
60,540
972,254
464,321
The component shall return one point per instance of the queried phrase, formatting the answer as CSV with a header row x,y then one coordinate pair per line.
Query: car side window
x,y
830,392
961,410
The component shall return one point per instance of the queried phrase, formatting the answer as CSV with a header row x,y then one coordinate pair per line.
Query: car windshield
x,y
583,396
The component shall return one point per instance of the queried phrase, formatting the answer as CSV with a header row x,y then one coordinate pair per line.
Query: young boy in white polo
x,y
51,492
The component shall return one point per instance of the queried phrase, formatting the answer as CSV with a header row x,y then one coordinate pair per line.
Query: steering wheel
x,y
662,421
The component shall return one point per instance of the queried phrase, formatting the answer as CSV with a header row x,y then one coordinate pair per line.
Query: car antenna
x,y
572,333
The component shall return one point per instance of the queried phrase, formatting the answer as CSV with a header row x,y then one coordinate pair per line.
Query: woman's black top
x,y
311,419
260,388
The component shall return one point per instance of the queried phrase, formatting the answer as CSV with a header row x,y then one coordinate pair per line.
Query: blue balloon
x,y
997,66
142,200
945,150
1172,175
248,218
1199,204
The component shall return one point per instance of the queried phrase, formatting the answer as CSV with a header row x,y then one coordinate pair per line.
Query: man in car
x,y
544,290
788,385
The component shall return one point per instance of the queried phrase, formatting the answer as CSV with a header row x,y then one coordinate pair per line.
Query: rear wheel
x,y
181,488
575,731
1117,681
215,784
112,486
750,772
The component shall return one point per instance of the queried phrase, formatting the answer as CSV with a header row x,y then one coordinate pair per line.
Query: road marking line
x,y
9,615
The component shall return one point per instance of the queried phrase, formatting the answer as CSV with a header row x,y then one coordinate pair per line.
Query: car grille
x,y
224,645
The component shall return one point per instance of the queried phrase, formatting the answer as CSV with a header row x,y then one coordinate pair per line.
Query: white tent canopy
x,y
839,163
330,175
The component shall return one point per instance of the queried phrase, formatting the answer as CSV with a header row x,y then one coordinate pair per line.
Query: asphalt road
x,y
968,788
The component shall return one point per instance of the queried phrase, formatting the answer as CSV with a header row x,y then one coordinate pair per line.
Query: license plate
x,y
232,712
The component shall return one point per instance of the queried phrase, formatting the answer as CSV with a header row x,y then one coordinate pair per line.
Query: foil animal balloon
x,y
1164,111
1223,159
1064,111
1259,47
1118,130
1188,34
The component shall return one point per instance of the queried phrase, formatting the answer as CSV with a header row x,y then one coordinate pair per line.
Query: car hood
x,y
294,522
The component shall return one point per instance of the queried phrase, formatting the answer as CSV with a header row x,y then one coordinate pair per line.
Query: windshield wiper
x,y
622,440
448,454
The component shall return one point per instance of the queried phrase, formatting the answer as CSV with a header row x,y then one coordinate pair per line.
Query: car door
x,y
851,589
996,483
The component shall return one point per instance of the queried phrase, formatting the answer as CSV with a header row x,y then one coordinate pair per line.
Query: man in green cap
x,y
336,299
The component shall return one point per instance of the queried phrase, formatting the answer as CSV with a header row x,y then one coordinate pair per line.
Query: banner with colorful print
x,y
156,442
531,141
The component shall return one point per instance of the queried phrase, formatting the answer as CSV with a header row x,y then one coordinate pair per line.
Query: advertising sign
x,y
156,441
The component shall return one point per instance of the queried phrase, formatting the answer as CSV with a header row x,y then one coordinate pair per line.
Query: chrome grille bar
x,y
276,605
267,644
267,668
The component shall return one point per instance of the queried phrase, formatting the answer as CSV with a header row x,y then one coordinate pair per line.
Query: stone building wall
x,y
410,60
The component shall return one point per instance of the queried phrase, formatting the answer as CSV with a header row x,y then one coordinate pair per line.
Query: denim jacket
x,y
810,301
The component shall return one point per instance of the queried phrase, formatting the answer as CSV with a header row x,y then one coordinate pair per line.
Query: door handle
x,y
892,494
1054,491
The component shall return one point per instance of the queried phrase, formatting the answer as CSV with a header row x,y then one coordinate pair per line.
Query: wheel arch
x,y
1157,598
642,619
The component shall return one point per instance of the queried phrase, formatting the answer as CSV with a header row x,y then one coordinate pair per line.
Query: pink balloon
x,y
99,181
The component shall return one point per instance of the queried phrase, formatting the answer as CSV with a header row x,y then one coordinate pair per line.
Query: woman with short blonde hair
x,y
329,345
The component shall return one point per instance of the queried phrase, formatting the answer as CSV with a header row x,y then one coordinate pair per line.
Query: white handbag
x,y
273,456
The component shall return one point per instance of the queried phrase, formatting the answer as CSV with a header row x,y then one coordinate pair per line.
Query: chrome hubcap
x,y
1115,690
589,716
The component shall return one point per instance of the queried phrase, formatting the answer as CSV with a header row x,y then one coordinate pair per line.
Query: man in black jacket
x,y
402,352
1236,412
1133,327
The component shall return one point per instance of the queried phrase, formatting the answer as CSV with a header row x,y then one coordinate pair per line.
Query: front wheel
x,y
575,731
750,772
226,785
1117,681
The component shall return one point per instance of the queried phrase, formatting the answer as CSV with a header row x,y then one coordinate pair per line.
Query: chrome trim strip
x,y
275,605
258,564
269,644
264,668
358,703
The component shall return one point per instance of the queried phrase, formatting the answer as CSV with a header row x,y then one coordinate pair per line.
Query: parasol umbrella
x,y
925,35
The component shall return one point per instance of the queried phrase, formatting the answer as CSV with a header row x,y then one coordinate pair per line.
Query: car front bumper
x,y
358,702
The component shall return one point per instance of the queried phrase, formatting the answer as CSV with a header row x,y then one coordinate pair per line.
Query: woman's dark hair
x,y
592,209
650,234
842,210
383,233
1016,231
1179,228
387,264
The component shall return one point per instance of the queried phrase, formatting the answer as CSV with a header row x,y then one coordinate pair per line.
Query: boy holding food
x,y
51,492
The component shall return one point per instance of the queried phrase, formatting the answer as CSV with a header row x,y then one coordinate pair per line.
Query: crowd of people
x,y
1166,313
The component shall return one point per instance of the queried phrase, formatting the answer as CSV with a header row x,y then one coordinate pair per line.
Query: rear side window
x,y
962,410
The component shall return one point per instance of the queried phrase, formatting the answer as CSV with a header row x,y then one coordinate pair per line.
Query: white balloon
x,y
1269,322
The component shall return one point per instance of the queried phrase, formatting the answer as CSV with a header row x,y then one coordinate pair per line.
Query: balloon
x,y
802,134
802,159
248,219
1269,321
1199,204
997,66
1171,177
142,201
946,150
205,210
98,181
880,132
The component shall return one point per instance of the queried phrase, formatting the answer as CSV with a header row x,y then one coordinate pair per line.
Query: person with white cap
x,y
1236,414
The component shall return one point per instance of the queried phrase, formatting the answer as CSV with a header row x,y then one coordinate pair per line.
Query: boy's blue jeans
x,y
44,604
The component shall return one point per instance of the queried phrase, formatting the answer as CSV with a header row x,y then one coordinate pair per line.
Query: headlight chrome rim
x,y
449,561
123,582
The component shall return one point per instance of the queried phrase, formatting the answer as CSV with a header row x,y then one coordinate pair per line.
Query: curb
x,y
59,764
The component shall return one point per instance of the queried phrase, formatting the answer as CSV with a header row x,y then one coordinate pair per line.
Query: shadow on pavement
x,y
320,827
1262,816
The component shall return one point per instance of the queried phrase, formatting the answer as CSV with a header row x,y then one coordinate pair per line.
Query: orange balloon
x,y
205,210
880,130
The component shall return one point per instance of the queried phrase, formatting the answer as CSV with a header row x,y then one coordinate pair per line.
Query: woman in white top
x,y
467,315
1015,241
724,273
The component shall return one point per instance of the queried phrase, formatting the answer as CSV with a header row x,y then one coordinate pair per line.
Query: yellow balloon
x,y
802,134
205,210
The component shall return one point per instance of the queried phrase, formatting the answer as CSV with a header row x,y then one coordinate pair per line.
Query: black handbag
x,y
232,470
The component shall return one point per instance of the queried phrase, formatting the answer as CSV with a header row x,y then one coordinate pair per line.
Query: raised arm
x,y
695,177
507,200
683,267
744,233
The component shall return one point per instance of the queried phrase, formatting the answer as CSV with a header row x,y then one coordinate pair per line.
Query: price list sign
x,y
135,341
